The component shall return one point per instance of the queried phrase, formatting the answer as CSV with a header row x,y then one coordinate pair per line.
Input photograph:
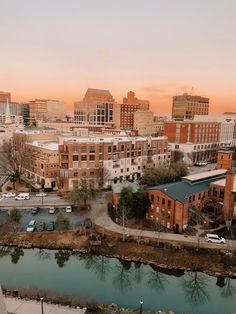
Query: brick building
x,y
173,204
187,106
196,140
5,96
110,160
127,109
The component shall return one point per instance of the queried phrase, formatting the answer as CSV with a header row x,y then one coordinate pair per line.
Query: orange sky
x,y
155,48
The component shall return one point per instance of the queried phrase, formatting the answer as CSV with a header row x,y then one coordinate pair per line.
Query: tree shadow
x,y
124,276
16,255
62,257
43,255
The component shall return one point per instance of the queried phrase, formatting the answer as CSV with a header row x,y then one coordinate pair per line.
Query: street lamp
x,y
41,300
141,306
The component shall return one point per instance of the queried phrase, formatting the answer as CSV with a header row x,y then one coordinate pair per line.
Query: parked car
x,y
8,195
34,210
51,226
41,226
41,194
22,196
68,209
52,210
31,226
214,238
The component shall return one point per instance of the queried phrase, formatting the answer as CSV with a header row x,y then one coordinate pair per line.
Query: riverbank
x,y
165,256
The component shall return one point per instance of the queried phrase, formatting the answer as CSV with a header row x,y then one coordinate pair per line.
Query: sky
x,y
56,49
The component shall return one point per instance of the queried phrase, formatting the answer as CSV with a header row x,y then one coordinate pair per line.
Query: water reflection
x,y
42,255
195,288
123,276
156,280
16,254
62,257
228,290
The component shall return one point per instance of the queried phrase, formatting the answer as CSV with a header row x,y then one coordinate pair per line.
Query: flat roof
x,y
45,144
222,183
204,175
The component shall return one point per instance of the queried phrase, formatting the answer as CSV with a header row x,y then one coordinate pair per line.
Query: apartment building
x,y
186,106
98,107
227,127
127,109
173,204
195,140
110,160
43,169
44,109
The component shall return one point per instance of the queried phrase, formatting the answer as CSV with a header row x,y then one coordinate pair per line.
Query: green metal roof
x,y
179,191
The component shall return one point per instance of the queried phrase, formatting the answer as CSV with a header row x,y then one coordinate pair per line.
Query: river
x,y
107,280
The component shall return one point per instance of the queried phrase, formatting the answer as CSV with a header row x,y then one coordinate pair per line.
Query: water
x,y
107,280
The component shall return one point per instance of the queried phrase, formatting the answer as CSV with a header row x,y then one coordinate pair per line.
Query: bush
x,y
111,211
62,222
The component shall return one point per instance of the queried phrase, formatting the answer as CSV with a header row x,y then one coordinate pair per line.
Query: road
x,y
34,201
197,169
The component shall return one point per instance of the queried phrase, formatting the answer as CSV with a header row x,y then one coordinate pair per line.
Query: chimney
x,y
228,207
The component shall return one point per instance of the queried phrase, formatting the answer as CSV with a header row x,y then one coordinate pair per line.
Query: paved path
x,y
102,219
19,306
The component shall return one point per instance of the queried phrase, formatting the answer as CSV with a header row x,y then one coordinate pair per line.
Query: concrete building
x,y
8,127
5,96
111,159
187,106
98,107
144,123
196,141
127,109
173,204
35,134
44,109
227,127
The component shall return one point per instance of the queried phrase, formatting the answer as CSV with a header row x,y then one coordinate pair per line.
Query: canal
x,y
98,279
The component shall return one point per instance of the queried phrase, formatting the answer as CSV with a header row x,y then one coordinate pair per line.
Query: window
x,y
158,198
91,157
92,149
75,149
109,149
83,157
215,191
222,193
163,201
193,198
84,149
75,157
169,204
75,165
152,197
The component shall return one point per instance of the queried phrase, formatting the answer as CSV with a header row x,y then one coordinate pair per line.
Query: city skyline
x,y
157,50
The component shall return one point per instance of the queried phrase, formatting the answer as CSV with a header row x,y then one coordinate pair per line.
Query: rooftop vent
x,y
165,189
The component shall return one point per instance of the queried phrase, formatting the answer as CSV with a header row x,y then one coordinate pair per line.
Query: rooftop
x,y
222,183
204,175
180,190
45,144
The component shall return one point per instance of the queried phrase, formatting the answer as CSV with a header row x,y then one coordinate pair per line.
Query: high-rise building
x,y
185,106
98,107
5,96
44,109
130,105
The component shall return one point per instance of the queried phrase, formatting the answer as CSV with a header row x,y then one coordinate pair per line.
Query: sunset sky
x,y
158,48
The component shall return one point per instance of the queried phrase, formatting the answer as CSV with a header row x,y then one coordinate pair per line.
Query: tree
x,y
82,192
62,222
15,215
163,175
15,157
140,204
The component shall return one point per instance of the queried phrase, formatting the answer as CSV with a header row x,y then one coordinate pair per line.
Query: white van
x,y
214,238
31,226
22,196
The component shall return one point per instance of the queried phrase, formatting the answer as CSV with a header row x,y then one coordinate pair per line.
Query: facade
x,y
196,140
44,109
98,107
227,127
43,169
144,123
173,204
187,106
16,109
224,159
127,109
5,96
14,119
110,160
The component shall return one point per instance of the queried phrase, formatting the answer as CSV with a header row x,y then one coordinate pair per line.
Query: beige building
x,y
144,123
98,107
187,106
43,170
111,159
44,109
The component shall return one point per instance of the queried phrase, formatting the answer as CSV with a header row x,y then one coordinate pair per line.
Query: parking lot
x,y
76,219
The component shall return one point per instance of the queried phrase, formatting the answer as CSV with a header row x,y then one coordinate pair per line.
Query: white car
x,y
214,238
22,196
31,226
8,195
68,209
41,194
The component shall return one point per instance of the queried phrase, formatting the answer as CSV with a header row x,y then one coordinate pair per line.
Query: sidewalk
x,y
18,306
